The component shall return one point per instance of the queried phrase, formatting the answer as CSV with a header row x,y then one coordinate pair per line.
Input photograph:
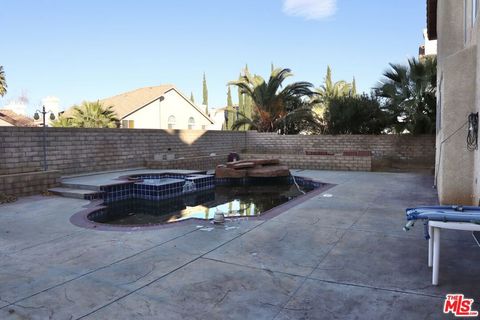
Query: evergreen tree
x,y
229,97
247,103
328,77
330,89
241,100
230,111
271,67
191,97
205,93
354,87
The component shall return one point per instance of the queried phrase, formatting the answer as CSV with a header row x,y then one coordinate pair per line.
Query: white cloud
x,y
310,9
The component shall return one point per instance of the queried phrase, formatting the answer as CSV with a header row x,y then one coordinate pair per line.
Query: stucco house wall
x,y
177,106
156,114
147,117
151,107
457,168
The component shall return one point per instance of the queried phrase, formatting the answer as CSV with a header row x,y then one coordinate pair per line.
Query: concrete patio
x,y
339,257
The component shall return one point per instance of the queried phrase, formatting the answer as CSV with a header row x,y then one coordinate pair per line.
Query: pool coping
x,y
80,219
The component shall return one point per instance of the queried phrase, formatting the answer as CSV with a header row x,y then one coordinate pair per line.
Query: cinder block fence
x,y
75,150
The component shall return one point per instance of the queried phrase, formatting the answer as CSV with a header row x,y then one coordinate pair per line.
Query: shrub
x,y
355,115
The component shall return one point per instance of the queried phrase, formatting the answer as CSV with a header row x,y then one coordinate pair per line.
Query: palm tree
x,y
274,107
331,90
62,122
409,93
93,115
3,82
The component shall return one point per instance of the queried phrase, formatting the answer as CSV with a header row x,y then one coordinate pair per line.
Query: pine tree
x,y
272,67
354,87
191,97
205,93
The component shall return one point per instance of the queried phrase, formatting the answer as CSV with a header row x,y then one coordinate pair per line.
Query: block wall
x,y
75,150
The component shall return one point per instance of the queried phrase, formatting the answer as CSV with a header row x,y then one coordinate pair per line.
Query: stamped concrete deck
x,y
339,257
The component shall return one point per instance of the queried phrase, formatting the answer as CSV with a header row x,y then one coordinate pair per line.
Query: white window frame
x,y
130,124
191,123
171,122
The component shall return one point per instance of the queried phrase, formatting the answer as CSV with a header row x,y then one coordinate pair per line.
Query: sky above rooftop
x,y
92,49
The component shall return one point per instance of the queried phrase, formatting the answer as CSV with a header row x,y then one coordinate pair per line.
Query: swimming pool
x,y
152,200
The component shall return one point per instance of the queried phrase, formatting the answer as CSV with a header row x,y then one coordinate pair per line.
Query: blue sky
x,y
91,49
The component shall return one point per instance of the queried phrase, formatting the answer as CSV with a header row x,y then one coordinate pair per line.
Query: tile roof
x,y
16,119
125,103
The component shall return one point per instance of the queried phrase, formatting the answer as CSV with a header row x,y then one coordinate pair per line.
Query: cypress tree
x,y
247,104
229,97
205,93
229,109
354,87
191,97
241,98
328,78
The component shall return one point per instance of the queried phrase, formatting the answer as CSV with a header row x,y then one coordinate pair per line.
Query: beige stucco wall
x,y
455,178
147,117
475,40
457,169
5,124
176,105
449,27
155,115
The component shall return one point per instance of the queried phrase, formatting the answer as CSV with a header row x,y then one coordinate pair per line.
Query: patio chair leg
x,y
430,245
436,255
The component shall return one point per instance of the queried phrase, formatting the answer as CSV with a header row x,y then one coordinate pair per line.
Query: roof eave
x,y
432,19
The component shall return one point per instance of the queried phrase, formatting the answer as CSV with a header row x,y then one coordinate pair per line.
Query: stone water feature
x,y
254,168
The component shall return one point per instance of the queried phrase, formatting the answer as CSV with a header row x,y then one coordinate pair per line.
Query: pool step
x,y
76,193
79,186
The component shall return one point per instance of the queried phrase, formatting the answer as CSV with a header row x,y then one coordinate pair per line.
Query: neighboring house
x,y
429,48
455,24
218,115
160,107
9,118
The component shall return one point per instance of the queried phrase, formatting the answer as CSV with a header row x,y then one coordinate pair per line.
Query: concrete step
x,y
76,193
79,186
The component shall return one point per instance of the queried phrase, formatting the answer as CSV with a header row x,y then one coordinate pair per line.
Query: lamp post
x,y
36,116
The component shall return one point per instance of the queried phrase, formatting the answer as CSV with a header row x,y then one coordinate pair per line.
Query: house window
x,y
171,122
128,124
191,123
